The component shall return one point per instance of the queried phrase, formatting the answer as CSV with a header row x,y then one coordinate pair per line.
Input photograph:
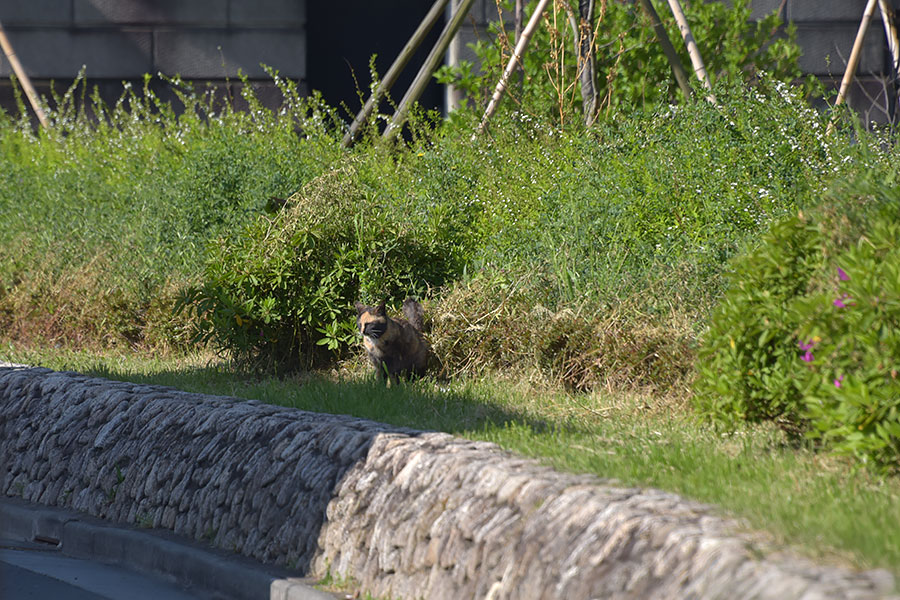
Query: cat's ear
x,y
360,307
380,309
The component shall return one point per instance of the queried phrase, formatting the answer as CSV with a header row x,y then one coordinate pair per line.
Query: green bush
x,y
852,331
279,295
808,334
650,191
747,363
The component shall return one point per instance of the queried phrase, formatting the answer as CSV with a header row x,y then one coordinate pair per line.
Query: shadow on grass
x,y
453,407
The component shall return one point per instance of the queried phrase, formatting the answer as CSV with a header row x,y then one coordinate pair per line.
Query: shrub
x,y
808,334
280,293
852,331
746,363
651,191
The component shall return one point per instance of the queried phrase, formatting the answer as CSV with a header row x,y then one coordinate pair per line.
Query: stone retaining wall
x,y
407,514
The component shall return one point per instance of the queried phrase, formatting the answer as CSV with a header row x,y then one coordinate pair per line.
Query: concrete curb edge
x,y
185,562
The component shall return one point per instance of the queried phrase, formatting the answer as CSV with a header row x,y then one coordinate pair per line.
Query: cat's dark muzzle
x,y
374,330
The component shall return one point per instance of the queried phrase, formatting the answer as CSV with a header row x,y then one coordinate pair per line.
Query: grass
x,y
816,504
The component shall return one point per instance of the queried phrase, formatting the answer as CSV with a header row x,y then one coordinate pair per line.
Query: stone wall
x,y
407,514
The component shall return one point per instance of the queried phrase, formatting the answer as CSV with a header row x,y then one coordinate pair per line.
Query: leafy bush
x,y
650,192
280,293
852,331
747,362
808,334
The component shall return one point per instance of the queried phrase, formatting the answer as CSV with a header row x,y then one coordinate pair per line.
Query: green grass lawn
x,y
817,504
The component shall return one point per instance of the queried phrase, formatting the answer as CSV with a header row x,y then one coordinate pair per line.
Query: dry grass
x,y
496,325
85,306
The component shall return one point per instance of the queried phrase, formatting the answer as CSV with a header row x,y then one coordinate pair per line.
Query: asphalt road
x,y
32,572
51,553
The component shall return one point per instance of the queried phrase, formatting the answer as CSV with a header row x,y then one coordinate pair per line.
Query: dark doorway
x,y
342,37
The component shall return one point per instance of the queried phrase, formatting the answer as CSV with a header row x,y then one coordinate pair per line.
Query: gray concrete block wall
x,y
101,13
212,54
124,39
60,53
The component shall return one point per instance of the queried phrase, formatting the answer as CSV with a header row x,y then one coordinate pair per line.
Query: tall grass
x,y
610,242
109,210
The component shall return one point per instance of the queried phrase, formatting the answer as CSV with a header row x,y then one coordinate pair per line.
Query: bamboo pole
x,y
23,78
514,60
519,18
855,53
424,75
853,61
691,44
394,71
668,49
890,31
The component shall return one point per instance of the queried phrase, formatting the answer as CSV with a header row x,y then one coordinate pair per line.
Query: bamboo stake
x,y
23,78
394,71
855,53
424,75
514,60
691,44
890,31
668,49
853,61
519,16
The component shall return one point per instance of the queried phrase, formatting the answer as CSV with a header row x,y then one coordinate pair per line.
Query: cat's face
x,y
372,321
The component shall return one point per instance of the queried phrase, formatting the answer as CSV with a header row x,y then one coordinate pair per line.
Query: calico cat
x,y
395,346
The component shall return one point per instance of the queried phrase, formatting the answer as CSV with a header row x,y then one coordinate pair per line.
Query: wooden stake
x,y
514,60
853,61
23,78
691,44
668,48
424,75
855,53
890,31
393,73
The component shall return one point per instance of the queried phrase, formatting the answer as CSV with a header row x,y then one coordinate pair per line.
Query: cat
x,y
395,346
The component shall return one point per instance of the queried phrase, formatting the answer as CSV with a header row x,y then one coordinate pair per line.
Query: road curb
x,y
201,569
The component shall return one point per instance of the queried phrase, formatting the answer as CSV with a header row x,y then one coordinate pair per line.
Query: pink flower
x,y
842,275
807,345
839,302
837,382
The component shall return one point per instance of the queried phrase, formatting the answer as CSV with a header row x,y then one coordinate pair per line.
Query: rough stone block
x,y
218,54
50,53
205,13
